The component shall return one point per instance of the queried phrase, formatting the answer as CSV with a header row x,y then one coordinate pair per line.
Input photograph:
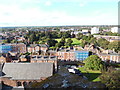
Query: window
x,y
19,84
24,83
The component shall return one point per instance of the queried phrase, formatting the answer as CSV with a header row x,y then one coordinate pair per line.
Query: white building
x,y
94,30
115,30
75,32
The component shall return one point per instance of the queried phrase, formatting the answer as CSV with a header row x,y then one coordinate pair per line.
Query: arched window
x,y
24,83
19,84
30,83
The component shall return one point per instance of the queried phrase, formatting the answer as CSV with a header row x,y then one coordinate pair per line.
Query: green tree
x,y
114,45
79,36
69,42
58,45
83,43
62,41
66,34
103,43
51,42
111,78
93,62
93,40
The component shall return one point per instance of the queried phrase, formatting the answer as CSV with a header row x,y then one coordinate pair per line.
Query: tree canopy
x,y
69,42
114,45
103,43
93,62
111,78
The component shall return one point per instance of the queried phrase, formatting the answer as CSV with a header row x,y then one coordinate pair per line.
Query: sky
x,y
58,12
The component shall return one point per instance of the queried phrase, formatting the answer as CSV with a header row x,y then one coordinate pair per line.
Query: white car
x,y
71,70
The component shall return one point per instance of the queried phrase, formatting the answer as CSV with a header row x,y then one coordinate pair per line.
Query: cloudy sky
x,y
58,12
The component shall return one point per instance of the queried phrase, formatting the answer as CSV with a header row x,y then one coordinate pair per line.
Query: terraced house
x,y
71,55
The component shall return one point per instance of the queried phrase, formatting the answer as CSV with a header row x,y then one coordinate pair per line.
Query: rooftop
x,y
27,71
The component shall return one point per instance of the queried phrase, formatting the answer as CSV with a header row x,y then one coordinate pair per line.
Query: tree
x,y
111,78
83,43
58,45
62,41
93,40
79,36
51,42
93,62
73,36
69,42
103,43
114,45
66,34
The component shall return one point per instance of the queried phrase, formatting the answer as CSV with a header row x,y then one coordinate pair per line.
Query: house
x,y
22,74
37,48
33,48
76,47
44,47
9,57
23,58
92,48
4,58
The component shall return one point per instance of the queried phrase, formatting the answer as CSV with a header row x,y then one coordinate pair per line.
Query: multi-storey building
x,y
81,55
18,47
15,47
36,48
67,55
94,30
70,55
112,57
115,30
5,48
108,38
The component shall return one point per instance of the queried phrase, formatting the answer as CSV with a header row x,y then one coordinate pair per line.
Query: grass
x,y
90,74
75,41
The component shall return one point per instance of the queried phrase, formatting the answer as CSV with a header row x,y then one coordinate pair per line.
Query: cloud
x,y
48,3
15,15
83,3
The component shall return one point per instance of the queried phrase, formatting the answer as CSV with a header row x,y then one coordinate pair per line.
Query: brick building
x,y
67,55
81,55
22,74
112,57
18,47
4,48
4,58
37,48
45,59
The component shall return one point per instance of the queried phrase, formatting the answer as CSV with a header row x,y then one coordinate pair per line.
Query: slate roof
x,y
41,45
27,71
